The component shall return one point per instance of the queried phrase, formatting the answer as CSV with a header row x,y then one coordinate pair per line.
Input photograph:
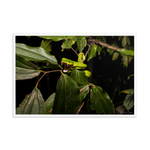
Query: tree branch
x,y
104,44
88,49
45,74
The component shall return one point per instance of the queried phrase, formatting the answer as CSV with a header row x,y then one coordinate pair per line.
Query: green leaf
x,y
92,51
127,91
49,102
84,91
34,53
129,100
66,44
128,40
25,69
54,38
110,51
124,41
115,56
99,49
130,58
23,63
81,43
67,98
32,104
100,101
46,44
70,37
79,77
126,52
130,76
22,73
73,40
126,60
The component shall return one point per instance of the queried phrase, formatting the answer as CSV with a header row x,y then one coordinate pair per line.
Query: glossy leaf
x,y
34,53
129,101
25,69
49,103
54,38
99,49
67,98
79,77
126,52
32,104
23,63
115,56
22,73
92,51
84,90
81,43
100,101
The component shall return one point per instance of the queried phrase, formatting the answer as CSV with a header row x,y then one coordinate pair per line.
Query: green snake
x,y
68,64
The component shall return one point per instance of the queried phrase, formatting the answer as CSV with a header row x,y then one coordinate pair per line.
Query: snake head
x,y
66,66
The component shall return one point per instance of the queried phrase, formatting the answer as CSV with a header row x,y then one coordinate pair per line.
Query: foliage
x,y
74,94
32,104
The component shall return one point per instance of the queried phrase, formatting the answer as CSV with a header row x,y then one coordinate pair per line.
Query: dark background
x,y
108,74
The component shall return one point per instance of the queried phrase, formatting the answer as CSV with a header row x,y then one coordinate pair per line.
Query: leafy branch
x,y
123,51
104,44
72,48
74,93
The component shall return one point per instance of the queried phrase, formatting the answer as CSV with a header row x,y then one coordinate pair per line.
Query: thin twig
x,y
74,51
88,49
45,74
80,108
104,44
